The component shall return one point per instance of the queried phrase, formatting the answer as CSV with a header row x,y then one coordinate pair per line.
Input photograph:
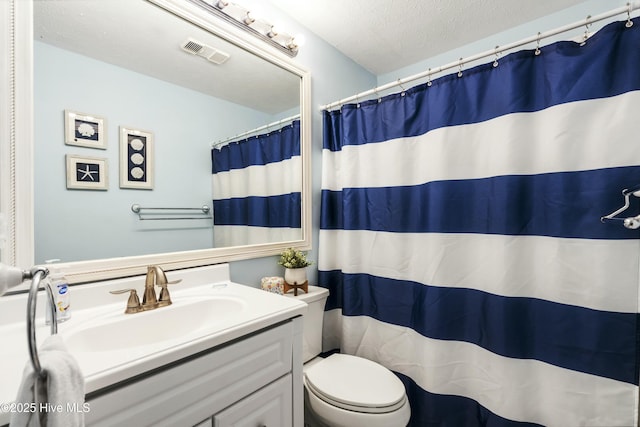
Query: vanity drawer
x,y
189,392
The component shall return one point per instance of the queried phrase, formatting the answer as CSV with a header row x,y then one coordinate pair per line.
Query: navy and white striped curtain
x,y
257,184
462,245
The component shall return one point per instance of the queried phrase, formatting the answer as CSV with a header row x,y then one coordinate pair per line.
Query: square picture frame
x,y
85,130
87,173
136,158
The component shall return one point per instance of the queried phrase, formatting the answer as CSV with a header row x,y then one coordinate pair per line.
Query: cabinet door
x,y
268,407
187,393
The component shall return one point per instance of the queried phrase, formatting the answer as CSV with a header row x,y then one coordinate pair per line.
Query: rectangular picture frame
x,y
136,158
87,173
85,130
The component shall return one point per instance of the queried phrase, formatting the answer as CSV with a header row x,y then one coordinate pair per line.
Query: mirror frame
x,y
16,151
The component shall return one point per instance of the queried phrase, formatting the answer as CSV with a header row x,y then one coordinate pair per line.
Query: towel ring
x,y
36,275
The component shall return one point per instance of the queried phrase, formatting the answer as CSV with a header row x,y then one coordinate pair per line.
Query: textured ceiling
x,y
385,35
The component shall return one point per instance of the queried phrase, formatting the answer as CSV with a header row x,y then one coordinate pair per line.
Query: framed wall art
x,y
84,130
136,158
86,173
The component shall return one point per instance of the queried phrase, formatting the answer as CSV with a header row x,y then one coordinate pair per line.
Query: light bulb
x,y
295,42
248,18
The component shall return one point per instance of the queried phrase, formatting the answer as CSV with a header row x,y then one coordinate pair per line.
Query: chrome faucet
x,y
155,276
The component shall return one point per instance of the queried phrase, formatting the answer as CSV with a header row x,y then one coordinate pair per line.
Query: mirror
x,y
112,77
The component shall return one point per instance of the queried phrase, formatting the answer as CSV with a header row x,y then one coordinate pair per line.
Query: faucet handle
x,y
133,303
165,298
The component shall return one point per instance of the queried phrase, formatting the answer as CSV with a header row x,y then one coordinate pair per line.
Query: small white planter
x,y
295,275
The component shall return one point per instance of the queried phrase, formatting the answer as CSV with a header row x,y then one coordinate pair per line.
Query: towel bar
x,y
172,215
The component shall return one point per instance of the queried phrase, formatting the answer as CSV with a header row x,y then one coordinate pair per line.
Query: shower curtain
x,y
257,184
461,241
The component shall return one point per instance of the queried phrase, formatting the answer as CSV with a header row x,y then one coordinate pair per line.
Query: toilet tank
x,y
312,320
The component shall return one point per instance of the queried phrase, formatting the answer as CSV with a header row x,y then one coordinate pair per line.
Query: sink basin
x,y
185,317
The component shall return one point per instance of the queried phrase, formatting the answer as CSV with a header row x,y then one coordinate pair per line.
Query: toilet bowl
x,y
350,391
343,390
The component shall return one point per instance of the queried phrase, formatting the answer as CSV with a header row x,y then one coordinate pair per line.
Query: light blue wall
x,y
75,225
335,77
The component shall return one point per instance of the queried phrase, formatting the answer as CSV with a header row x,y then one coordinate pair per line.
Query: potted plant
x,y
295,263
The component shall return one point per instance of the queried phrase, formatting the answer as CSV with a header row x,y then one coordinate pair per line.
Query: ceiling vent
x,y
211,54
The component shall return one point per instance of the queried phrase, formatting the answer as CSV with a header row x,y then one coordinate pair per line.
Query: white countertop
x,y
93,305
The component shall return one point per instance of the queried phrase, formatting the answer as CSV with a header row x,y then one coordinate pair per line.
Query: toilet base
x,y
310,420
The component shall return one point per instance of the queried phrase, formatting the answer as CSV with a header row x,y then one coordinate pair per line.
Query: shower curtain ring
x,y
586,31
429,77
537,51
629,23
401,87
495,61
460,68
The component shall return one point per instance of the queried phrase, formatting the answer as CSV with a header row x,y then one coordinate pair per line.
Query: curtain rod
x,y
258,129
493,52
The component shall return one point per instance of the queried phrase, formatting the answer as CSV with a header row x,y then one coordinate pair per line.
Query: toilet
x,y
342,390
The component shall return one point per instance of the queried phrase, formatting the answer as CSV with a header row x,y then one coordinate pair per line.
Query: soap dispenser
x,y
61,296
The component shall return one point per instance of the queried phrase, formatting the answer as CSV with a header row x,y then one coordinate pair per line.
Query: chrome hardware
x,y
202,212
631,223
155,277
37,275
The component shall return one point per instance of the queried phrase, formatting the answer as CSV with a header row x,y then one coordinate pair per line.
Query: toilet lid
x,y
356,384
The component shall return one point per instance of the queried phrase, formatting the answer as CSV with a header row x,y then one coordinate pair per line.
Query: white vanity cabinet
x,y
253,381
222,354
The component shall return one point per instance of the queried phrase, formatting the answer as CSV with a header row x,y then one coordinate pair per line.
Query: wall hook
x,y
630,222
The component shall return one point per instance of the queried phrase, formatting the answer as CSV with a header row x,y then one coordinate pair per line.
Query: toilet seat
x,y
355,384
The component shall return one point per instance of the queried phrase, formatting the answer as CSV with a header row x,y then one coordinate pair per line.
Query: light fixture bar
x,y
216,7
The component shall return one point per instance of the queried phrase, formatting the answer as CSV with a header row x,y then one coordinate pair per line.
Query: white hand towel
x,y
58,397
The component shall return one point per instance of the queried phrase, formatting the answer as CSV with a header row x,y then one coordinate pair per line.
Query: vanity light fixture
x,y
246,20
